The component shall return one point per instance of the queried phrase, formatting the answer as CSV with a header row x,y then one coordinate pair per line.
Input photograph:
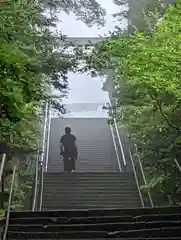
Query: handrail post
x,y
2,165
42,161
115,147
144,178
44,132
136,179
119,139
48,137
9,203
36,184
177,164
120,143
41,186
2,191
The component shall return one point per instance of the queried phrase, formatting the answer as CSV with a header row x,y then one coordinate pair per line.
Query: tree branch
x,y
163,114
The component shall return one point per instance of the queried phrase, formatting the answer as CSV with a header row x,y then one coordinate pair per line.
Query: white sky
x,y
73,28
83,88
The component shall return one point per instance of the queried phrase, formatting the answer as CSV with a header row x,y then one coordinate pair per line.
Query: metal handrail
x,y
44,132
48,141
115,147
35,193
9,204
134,169
136,179
119,140
144,177
2,166
124,160
177,164
43,166
117,133
41,186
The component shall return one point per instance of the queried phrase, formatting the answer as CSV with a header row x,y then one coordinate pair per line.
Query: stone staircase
x,y
89,190
95,202
95,143
123,224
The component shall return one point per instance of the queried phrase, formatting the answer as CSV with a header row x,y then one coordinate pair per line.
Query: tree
x,y
147,72
142,14
34,58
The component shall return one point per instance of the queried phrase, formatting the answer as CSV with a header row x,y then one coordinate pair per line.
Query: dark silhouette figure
x,y
69,150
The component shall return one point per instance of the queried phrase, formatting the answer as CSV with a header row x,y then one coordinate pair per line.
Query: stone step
x,y
154,232
87,206
140,238
108,179
83,169
89,185
97,219
102,181
106,198
110,227
158,217
73,213
73,220
123,224
90,190
90,173
89,197
62,235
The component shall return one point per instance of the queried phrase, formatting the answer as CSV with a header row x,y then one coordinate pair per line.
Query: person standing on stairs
x,y
69,150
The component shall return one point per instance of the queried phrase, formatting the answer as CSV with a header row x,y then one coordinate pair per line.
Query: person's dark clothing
x,y
68,141
70,151
69,164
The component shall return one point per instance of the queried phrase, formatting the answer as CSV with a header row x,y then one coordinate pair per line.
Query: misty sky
x,y
73,28
83,88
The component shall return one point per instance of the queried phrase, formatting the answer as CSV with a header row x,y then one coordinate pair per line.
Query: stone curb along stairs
x,y
145,224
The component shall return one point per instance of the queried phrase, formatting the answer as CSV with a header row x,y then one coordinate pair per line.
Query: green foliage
x,y
140,13
2,212
34,57
147,69
23,183
22,191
